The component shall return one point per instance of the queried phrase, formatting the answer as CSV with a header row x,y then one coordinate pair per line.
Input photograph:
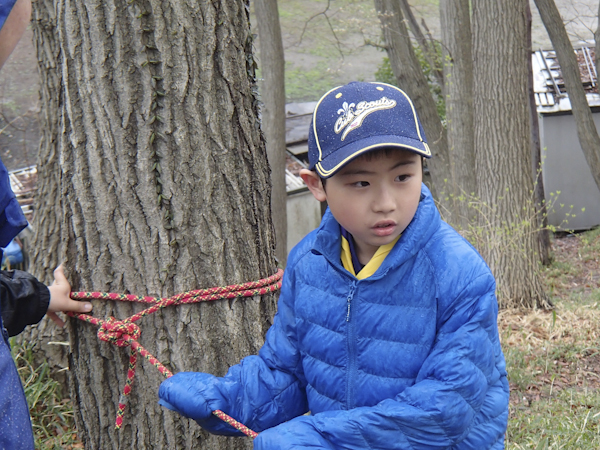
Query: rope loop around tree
x,y
125,333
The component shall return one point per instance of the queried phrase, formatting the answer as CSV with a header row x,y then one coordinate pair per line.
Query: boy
x,y
386,326
23,299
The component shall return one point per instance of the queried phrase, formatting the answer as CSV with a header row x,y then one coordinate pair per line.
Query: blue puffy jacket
x,y
15,425
408,358
23,301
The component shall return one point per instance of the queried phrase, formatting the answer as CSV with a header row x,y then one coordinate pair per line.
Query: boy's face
x,y
373,198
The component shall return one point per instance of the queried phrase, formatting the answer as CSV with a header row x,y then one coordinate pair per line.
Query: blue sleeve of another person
x,y
12,219
6,7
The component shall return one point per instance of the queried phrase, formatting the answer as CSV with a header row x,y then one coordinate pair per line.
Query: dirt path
x,y
323,48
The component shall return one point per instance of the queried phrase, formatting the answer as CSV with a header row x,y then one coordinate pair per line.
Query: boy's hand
x,y
60,299
183,393
299,432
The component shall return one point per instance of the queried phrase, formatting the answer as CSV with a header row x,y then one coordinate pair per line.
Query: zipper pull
x,y
348,313
349,300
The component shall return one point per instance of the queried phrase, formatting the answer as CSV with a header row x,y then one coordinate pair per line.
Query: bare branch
x,y
371,43
323,13
11,123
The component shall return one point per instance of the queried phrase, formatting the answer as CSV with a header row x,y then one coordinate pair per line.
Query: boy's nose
x,y
384,202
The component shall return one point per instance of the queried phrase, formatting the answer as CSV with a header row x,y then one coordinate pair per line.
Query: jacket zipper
x,y
351,339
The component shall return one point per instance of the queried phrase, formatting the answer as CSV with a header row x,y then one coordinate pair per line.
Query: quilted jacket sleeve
x,y
23,300
463,376
260,392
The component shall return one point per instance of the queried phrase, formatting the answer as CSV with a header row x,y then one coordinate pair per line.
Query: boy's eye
x,y
402,177
360,183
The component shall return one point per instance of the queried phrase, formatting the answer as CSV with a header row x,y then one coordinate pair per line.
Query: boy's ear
x,y
313,181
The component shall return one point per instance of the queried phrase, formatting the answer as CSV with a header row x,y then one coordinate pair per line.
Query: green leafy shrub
x,y
385,74
51,413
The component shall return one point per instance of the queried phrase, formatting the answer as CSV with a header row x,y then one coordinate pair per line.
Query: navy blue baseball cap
x,y
360,117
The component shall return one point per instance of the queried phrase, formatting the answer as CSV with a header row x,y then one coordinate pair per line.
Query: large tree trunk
x,y
410,78
586,129
458,72
166,188
272,92
502,140
50,342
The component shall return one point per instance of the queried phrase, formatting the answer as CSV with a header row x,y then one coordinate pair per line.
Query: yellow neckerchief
x,y
372,265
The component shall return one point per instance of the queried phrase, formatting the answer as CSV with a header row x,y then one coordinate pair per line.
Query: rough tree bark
x,y
502,139
44,247
272,92
455,20
586,129
44,255
166,188
410,78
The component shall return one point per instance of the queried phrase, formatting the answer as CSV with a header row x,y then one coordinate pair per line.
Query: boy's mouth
x,y
384,228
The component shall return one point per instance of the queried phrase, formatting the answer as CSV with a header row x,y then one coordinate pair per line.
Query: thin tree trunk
x,y
586,129
428,52
44,254
166,189
597,42
272,92
458,68
543,235
410,79
503,143
44,248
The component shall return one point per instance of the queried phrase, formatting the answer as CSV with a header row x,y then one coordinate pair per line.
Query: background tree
x,y
502,140
44,247
165,187
597,42
586,129
541,211
410,78
455,18
272,64
500,134
428,49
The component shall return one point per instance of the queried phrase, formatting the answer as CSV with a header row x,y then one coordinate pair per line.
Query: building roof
x,y
548,84
297,121
23,183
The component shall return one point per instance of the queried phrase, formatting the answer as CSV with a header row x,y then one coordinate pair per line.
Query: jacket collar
x,y
426,221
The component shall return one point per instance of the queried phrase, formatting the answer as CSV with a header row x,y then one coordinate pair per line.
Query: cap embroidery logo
x,y
351,118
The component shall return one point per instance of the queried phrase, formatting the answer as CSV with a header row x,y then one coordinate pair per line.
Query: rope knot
x,y
119,332
124,333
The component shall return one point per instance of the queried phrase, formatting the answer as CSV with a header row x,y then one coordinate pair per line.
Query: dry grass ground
x,y
553,357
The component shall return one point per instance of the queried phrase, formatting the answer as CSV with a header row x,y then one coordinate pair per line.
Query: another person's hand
x,y
60,299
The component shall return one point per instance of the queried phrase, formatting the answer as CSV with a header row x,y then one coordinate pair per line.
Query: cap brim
x,y
331,164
